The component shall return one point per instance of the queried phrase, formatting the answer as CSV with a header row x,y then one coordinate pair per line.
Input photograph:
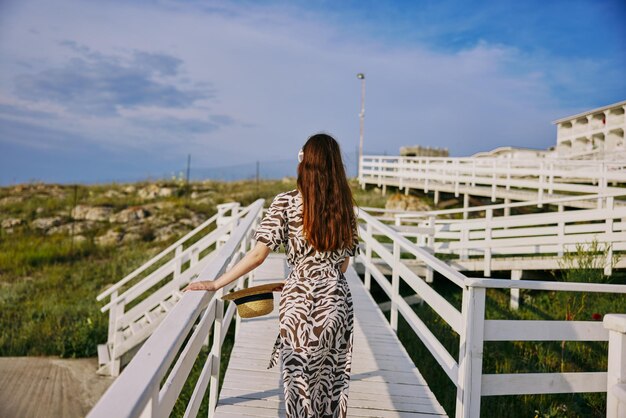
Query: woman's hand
x,y
207,285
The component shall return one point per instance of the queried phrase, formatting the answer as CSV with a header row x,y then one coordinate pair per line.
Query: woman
x,y
317,225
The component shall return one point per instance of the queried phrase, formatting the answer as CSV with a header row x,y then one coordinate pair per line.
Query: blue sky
x,y
121,90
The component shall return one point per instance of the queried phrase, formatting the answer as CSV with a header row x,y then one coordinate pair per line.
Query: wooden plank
x,y
539,383
384,380
525,330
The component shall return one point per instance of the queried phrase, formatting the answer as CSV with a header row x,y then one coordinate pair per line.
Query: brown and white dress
x,y
316,315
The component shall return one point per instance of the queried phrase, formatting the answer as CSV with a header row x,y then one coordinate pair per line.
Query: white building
x,y
597,133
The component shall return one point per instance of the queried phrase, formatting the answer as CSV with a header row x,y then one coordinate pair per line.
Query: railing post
x,y
508,175
551,179
112,318
488,233
216,352
493,180
616,370
430,243
456,178
602,181
465,205
151,408
471,353
540,186
400,171
178,263
514,301
464,250
427,174
473,182
395,287
368,255
608,266
117,337
560,232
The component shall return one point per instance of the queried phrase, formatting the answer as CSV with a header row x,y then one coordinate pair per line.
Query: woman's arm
x,y
253,258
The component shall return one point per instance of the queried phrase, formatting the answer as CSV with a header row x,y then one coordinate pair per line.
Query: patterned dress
x,y
315,313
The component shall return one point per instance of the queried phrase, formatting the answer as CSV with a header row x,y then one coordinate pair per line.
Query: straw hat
x,y
254,301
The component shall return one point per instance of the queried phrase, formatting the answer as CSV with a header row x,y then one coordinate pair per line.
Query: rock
x,y
132,214
151,191
11,223
112,194
11,199
169,231
39,210
129,189
131,237
92,213
69,228
194,195
399,201
166,191
193,222
80,238
111,237
46,223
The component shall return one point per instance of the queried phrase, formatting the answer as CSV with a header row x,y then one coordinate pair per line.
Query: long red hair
x,y
328,214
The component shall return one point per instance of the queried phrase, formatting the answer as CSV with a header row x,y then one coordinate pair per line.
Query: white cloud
x,y
279,75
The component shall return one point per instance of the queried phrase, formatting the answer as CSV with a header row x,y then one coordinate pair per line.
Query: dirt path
x,y
45,387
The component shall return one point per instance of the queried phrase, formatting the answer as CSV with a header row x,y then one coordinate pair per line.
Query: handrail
x,y
517,179
489,160
409,214
123,296
410,247
156,258
474,328
137,390
488,283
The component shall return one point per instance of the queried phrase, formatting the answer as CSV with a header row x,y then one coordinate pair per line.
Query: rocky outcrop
x,y
153,190
132,214
169,231
399,201
92,213
111,237
72,228
46,223
11,223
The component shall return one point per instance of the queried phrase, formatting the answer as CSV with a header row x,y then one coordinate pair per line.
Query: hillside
x,y
61,245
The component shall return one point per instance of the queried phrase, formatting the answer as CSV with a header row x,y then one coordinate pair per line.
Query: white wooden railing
x,y
152,382
492,236
474,329
138,302
498,178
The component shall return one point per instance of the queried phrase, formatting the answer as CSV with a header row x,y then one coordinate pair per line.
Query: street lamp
x,y
361,77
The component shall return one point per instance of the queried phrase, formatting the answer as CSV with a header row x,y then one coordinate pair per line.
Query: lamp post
x,y
361,77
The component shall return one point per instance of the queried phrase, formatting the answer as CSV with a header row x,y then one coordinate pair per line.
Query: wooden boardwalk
x,y
384,382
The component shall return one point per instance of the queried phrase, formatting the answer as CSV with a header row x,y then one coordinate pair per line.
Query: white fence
x,y
151,383
139,301
474,329
516,179
496,236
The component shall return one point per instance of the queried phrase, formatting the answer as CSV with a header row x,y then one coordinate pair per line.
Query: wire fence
x,y
261,169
